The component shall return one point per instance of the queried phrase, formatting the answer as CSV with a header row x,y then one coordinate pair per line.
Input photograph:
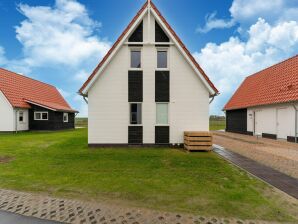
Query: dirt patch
x,y
279,155
5,159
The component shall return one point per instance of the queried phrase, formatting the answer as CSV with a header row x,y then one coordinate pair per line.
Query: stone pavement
x,y
72,211
277,179
11,218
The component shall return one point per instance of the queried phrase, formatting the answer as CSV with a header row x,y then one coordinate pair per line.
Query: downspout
x,y
85,99
296,123
212,98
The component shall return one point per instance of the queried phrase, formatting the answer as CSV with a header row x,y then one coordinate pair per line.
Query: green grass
x,y
81,122
60,164
215,125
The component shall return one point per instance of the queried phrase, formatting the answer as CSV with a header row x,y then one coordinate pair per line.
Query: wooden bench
x,y
197,141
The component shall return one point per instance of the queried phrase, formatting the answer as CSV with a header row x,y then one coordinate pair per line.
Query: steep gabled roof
x,y
115,45
276,84
21,91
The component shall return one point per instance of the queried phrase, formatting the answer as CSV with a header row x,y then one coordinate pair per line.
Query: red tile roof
x,y
20,90
127,29
276,84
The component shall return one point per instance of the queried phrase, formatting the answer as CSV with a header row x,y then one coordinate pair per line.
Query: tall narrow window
x,y
162,86
135,86
162,114
135,59
21,116
135,113
162,59
65,117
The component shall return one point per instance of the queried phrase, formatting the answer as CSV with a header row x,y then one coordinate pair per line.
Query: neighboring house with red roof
x,y
148,89
28,104
266,103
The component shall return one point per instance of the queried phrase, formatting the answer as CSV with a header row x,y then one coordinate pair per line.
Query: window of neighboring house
x,y
41,116
135,113
162,114
21,116
135,59
65,117
162,59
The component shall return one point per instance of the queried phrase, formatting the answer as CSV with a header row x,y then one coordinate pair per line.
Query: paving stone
x,y
79,212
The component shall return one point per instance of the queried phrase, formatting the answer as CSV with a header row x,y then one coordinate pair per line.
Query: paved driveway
x,y
11,218
279,155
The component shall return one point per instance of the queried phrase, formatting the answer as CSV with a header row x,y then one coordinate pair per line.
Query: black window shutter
x,y
135,135
162,86
135,86
162,134
160,35
137,35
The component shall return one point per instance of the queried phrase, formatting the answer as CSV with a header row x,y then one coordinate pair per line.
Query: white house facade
x,y
12,119
28,104
266,103
277,121
147,90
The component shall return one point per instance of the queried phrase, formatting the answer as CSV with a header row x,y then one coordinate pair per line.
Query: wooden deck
x,y
197,141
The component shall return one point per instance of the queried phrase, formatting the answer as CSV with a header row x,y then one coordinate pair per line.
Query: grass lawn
x,y
60,164
81,122
217,125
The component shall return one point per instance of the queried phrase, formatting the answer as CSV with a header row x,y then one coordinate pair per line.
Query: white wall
x,y
108,97
21,125
6,114
268,121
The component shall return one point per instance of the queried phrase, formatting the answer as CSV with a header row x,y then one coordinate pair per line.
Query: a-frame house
x,y
148,89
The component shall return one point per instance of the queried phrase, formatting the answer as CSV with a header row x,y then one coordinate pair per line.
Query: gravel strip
x,y
277,154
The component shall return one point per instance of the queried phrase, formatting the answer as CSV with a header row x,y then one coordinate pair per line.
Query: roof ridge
x,y
274,65
175,36
28,77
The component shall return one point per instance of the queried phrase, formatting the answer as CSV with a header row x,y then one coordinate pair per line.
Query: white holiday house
x,y
266,103
148,89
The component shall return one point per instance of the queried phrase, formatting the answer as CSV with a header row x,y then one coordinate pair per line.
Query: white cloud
x,y
3,59
62,34
213,23
250,10
247,12
229,62
81,76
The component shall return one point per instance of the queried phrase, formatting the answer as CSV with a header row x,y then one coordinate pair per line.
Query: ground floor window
x,y
41,116
65,117
162,114
135,113
21,116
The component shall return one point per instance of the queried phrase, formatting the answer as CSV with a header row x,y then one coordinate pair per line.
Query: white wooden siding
x,y
108,97
6,114
268,121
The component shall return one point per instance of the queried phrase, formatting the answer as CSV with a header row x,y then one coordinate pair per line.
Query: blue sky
x,y
61,41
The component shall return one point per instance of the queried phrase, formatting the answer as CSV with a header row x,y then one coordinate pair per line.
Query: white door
x,y
282,123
